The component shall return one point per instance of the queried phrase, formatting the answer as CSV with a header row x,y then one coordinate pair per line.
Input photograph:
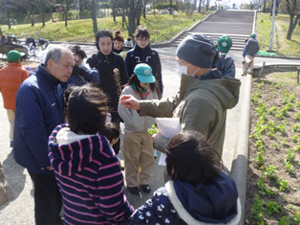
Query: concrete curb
x,y
240,160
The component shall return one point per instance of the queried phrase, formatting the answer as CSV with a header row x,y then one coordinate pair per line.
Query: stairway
x,y
237,24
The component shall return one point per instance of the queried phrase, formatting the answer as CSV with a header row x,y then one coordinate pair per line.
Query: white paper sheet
x,y
168,127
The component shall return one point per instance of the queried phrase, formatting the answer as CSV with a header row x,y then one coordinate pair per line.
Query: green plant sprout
x,y
271,171
292,97
291,155
273,208
284,142
272,110
153,130
295,128
295,138
276,146
283,185
298,104
289,167
289,107
260,158
297,116
281,128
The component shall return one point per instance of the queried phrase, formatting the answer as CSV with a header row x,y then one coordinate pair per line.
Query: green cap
x,y
14,56
253,35
144,73
224,44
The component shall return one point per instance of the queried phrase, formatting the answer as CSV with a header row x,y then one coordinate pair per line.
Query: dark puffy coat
x,y
111,69
180,202
144,55
39,109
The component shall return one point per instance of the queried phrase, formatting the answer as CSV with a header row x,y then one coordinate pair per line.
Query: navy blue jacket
x,y
180,202
225,64
39,109
144,55
251,47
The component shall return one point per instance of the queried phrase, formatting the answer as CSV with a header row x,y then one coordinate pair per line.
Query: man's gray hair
x,y
56,53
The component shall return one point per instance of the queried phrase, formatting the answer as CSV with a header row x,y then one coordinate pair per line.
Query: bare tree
x,y
293,8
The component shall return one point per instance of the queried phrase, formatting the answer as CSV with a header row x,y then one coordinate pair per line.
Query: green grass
x,y
161,28
281,45
287,77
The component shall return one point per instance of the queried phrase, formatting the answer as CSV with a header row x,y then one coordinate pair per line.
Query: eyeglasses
x,y
143,39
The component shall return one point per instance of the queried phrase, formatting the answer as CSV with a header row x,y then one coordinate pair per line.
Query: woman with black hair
x,y
198,193
113,74
86,168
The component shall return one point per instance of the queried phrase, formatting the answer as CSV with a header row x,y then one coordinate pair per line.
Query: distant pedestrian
x,y
204,94
143,53
86,168
222,60
11,77
128,43
137,143
198,192
112,70
250,49
39,109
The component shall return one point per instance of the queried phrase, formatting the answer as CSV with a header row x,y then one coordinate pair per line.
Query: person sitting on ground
x,y
143,53
137,143
222,61
250,49
11,77
198,192
3,39
204,94
86,168
81,75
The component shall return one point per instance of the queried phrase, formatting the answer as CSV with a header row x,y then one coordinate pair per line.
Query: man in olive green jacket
x,y
203,98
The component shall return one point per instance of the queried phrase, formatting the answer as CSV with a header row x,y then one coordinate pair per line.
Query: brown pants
x,y
138,158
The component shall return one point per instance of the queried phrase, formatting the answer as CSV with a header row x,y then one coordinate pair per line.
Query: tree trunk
x,y
8,21
292,25
199,7
32,14
264,9
94,16
154,7
43,15
51,13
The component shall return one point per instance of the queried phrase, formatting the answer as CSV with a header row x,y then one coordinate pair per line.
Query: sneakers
x,y
155,153
134,190
145,188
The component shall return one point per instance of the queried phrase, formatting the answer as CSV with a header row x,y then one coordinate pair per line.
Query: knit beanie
x,y
197,49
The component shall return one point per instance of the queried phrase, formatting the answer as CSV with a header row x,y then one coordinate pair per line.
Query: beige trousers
x,y
11,119
248,64
138,158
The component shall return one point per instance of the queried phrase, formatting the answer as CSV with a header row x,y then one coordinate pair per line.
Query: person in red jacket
x,y
11,77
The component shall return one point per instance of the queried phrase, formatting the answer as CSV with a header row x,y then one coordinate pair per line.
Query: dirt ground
x,y
273,184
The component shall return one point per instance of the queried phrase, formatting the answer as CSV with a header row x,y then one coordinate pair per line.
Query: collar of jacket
x,y
15,64
106,58
186,216
139,49
41,72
